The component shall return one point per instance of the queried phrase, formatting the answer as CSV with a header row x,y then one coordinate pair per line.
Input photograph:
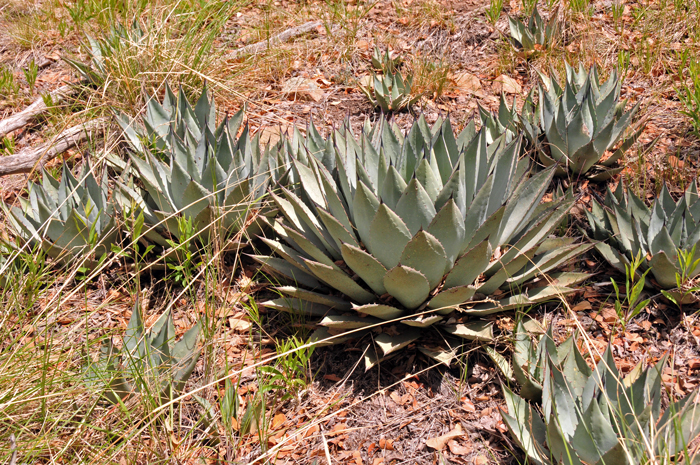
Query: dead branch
x,y
30,158
20,119
281,37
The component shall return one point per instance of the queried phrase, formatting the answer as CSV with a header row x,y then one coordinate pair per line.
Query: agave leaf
x,y
664,270
388,237
384,312
451,298
309,296
388,344
439,354
348,321
525,426
185,354
448,228
288,271
481,331
422,321
469,266
407,285
323,337
415,207
425,254
340,281
366,266
299,307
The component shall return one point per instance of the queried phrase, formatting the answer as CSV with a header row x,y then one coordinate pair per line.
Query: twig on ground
x,y
20,119
13,448
281,37
31,158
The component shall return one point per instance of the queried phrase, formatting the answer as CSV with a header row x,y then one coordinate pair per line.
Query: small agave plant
x,y
95,73
387,62
398,234
584,121
193,169
536,35
594,416
149,362
508,121
70,219
390,92
657,234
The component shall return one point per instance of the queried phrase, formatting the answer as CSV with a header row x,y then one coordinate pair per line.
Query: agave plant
x,y
193,169
69,219
656,234
149,362
508,121
536,35
408,229
596,416
390,92
386,63
583,122
95,72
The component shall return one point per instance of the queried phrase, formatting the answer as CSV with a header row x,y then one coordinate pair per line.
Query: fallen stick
x,y
276,39
30,158
20,119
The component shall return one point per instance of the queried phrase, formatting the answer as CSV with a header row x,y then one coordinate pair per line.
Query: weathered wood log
x,y
20,119
276,39
31,158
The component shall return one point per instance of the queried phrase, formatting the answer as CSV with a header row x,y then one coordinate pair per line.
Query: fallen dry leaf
x,y
278,420
240,323
440,442
459,449
581,306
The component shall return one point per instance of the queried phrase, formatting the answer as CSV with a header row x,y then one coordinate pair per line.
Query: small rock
x,y
466,82
302,88
505,84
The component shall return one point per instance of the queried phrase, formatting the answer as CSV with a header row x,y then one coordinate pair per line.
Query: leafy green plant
x,y
634,286
689,93
292,372
390,92
580,6
596,416
655,234
583,121
536,35
493,11
150,363
8,145
30,74
411,229
69,219
192,168
182,261
8,86
235,414
686,285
